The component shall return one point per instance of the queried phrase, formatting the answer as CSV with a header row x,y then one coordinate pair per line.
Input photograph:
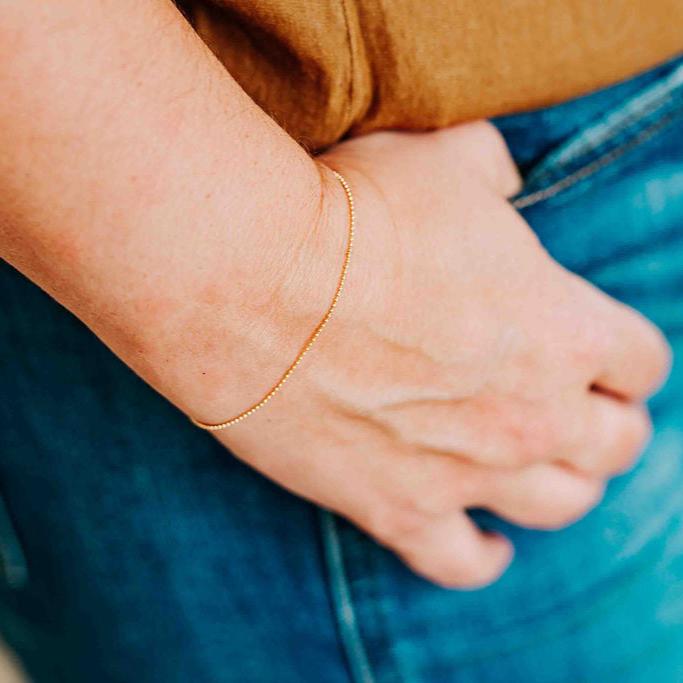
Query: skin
x,y
463,367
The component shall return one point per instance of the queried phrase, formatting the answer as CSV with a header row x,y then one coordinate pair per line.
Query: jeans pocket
x,y
578,161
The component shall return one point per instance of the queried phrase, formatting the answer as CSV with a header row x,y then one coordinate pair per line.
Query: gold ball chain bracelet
x,y
314,335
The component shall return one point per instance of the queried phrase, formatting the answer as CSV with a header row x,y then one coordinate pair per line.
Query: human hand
x,y
457,370
463,368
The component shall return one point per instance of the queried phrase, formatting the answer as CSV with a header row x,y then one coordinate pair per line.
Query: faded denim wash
x,y
135,550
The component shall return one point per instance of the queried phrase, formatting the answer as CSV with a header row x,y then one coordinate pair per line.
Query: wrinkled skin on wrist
x,y
463,367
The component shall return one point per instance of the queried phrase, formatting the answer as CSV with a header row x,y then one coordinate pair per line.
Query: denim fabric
x,y
135,549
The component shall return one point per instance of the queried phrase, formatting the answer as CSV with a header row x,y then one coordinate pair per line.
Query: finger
x,y
617,433
636,358
453,552
543,496
502,432
409,503
414,507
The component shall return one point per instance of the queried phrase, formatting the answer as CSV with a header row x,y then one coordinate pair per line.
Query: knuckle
x,y
469,487
639,434
515,432
477,140
591,342
394,524
519,458
490,139
622,444
429,486
644,431
559,513
427,494
532,440
660,360
632,443
480,132
433,501
586,354
650,353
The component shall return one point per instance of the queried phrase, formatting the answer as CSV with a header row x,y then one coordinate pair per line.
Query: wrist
x,y
248,321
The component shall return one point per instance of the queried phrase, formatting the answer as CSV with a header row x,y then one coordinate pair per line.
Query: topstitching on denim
x,y
345,613
632,124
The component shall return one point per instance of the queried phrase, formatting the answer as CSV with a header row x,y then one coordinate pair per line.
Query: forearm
x,y
145,191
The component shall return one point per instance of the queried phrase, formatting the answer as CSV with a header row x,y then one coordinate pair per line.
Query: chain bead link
x,y
314,335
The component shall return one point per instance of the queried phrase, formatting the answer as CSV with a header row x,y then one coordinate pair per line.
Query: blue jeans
x,y
134,549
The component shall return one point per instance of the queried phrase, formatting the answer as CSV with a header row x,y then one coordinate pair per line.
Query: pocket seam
x,y
586,171
607,138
